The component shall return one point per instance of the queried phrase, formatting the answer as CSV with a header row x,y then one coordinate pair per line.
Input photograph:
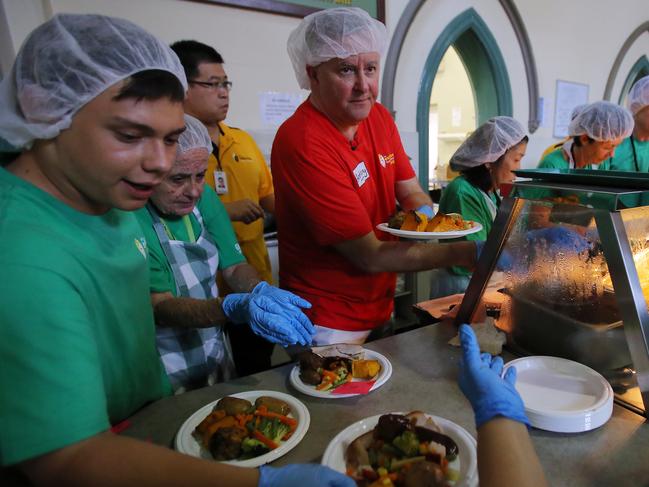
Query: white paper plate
x,y
187,444
562,395
308,389
466,462
428,235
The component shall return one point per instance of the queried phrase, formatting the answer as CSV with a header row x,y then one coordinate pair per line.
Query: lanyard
x,y
635,155
188,227
215,151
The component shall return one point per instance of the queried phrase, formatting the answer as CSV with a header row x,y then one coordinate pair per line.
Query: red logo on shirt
x,y
386,160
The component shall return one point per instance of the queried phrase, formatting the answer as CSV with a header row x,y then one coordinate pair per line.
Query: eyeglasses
x,y
215,85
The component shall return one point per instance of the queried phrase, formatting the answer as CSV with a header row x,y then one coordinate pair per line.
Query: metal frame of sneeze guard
x,y
606,203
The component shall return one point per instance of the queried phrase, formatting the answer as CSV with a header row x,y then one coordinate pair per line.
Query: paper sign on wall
x,y
276,107
569,95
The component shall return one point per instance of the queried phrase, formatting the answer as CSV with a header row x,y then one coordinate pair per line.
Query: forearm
x,y
411,256
506,456
268,203
242,278
110,460
189,312
410,194
415,200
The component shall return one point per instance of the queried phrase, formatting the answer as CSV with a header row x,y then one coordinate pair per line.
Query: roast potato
x,y
273,405
233,406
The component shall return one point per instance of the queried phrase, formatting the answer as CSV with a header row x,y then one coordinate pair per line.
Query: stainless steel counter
x,y
424,377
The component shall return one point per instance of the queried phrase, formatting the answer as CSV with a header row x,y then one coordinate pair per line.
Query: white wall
x,y
574,40
578,40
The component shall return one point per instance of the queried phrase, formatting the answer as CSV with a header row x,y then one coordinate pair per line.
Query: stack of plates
x,y
562,395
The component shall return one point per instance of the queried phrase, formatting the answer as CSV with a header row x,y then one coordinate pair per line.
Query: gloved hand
x,y
505,261
558,239
290,302
426,210
276,321
301,475
480,380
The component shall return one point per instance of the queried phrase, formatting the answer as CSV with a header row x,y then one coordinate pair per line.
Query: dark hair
x,y
577,140
152,84
480,177
193,53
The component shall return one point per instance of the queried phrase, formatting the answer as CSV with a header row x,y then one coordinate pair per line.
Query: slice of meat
x,y
424,474
356,454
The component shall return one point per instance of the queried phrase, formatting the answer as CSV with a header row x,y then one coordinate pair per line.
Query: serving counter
x,y
424,378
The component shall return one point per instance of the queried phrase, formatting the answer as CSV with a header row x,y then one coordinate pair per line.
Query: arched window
x,y
476,47
639,70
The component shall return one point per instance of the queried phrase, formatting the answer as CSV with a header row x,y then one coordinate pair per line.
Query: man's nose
x,y
195,187
362,82
159,157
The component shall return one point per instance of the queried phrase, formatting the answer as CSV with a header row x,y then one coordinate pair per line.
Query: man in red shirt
x,y
339,166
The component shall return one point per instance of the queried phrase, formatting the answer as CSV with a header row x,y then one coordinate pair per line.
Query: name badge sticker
x,y
361,173
220,182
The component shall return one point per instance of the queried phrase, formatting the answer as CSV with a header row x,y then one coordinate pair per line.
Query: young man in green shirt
x,y
95,105
595,133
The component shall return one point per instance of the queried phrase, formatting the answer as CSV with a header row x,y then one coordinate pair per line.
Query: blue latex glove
x,y
480,379
505,261
302,475
558,239
269,318
426,210
291,303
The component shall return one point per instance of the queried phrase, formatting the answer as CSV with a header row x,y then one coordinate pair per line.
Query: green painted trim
x,y
487,71
639,70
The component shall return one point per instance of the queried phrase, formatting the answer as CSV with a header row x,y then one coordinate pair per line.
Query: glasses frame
x,y
212,85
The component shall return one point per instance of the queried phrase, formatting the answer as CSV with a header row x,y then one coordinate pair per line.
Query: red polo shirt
x,y
327,191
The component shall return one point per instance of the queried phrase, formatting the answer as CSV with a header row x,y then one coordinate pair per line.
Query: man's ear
x,y
312,73
584,139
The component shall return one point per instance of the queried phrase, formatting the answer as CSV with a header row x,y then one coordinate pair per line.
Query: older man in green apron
x,y
190,237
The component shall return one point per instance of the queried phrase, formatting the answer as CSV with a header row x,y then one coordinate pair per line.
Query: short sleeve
x,y
218,224
47,338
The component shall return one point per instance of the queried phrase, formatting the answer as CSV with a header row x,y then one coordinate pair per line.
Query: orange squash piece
x,y
415,222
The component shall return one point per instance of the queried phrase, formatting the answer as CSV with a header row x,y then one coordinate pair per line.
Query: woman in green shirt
x,y
485,160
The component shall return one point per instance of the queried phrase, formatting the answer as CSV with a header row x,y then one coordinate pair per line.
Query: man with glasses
x,y
238,173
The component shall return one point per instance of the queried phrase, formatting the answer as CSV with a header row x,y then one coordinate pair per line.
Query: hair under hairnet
x,y
333,33
639,95
195,136
602,120
488,143
68,61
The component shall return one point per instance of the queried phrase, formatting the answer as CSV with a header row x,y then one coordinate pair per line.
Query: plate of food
x,y
328,372
415,225
405,449
246,429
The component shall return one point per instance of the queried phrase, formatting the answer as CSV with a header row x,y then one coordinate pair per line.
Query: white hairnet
x,y
602,120
577,110
68,61
333,33
488,143
639,95
195,136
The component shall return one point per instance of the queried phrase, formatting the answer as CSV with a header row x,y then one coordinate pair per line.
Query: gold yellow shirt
x,y
248,175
